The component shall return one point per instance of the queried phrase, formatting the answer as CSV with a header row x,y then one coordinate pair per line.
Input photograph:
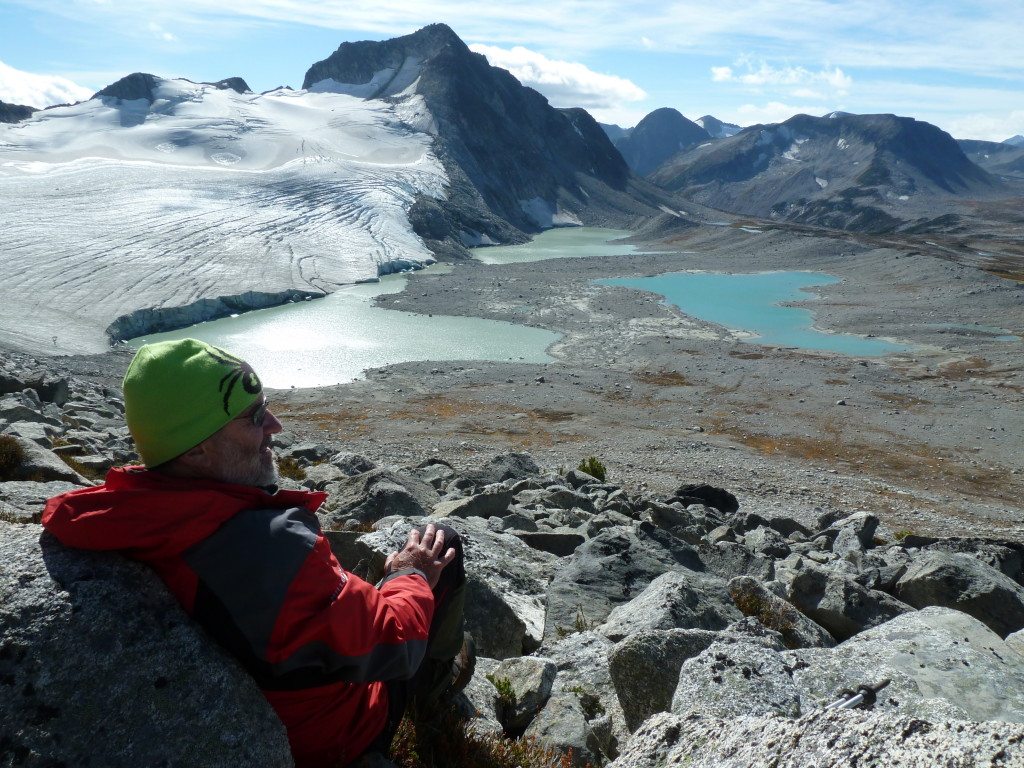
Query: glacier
x,y
122,216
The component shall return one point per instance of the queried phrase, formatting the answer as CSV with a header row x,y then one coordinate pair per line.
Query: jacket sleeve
x,y
273,593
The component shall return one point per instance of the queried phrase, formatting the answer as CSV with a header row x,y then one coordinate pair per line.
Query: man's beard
x,y
244,467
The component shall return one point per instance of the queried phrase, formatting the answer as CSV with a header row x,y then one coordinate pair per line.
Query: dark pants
x,y
427,687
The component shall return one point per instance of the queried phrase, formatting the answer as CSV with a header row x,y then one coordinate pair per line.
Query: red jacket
x,y
254,569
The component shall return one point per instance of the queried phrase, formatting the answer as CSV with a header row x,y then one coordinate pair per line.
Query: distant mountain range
x,y
1016,141
1004,158
716,128
660,135
866,172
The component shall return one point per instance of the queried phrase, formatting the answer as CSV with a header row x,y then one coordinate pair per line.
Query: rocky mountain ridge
x,y
717,128
660,135
628,626
516,164
863,172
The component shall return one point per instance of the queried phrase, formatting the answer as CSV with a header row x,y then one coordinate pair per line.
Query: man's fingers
x,y
438,544
414,537
448,556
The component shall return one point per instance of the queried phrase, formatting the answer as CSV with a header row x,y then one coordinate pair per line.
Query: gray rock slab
x,y
940,661
379,493
728,559
490,502
837,602
108,670
645,669
30,495
43,465
506,466
675,600
733,679
583,711
506,583
966,584
608,570
863,739
530,679
797,630
560,544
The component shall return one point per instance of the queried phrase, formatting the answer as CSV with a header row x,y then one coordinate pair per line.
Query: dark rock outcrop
x,y
15,113
236,84
138,85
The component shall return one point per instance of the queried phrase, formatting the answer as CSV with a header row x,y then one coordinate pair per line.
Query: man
x,y
335,657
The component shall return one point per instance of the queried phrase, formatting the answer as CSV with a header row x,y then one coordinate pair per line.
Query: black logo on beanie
x,y
240,371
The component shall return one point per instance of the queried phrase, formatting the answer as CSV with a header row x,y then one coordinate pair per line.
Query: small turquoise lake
x,y
753,303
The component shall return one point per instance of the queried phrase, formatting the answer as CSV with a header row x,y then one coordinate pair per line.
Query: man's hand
x,y
422,554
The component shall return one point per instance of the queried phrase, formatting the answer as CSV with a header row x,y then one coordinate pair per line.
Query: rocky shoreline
x,y
634,627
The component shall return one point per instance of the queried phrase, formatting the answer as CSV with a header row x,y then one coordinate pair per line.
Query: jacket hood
x,y
150,515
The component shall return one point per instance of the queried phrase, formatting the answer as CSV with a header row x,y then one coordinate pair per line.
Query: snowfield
x,y
113,207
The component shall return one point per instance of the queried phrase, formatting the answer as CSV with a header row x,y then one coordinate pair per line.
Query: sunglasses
x,y
258,415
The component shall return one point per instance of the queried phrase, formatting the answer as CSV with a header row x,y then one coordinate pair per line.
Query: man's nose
x,y
271,424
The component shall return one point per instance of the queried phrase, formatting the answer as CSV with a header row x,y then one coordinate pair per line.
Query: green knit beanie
x,y
178,393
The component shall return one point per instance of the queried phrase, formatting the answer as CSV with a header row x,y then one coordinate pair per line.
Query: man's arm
x,y
272,592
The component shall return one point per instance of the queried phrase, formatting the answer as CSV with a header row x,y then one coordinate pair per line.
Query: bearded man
x,y
337,658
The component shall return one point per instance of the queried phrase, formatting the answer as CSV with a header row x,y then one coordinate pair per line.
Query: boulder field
x,y
690,628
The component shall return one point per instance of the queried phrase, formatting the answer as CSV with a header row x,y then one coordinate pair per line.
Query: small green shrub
x,y
593,467
290,468
12,456
579,624
902,534
506,695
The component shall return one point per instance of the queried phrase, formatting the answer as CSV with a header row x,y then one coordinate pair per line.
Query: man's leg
x,y
446,643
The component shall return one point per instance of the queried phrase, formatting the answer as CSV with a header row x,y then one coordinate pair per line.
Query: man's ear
x,y
196,458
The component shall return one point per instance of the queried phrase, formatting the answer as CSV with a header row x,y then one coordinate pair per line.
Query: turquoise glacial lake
x,y
754,304
335,339
560,243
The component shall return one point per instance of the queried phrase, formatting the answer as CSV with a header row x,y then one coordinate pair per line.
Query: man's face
x,y
240,451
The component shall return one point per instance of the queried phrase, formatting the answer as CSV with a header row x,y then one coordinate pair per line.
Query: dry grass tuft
x,y
449,742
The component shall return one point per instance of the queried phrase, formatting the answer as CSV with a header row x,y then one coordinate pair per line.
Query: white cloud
x,y
162,33
988,127
33,90
769,76
564,83
647,43
773,112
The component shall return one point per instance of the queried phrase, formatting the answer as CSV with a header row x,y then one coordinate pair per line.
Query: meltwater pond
x,y
334,339
753,303
563,242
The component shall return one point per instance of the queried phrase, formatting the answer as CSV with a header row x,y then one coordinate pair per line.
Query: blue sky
x,y
959,65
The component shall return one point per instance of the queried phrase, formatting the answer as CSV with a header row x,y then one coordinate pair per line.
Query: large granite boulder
x,y
645,668
862,739
608,570
582,712
836,601
942,663
797,630
99,666
506,582
966,584
675,600
733,679
369,496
